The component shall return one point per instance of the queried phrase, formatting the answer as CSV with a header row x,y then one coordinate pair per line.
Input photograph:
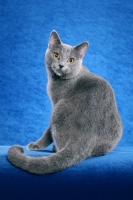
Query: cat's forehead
x,y
66,49
63,48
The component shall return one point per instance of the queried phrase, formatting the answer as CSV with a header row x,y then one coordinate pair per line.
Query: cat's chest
x,y
59,90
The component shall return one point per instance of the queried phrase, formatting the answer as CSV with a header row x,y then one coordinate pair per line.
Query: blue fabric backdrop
x,y
25,109
24,32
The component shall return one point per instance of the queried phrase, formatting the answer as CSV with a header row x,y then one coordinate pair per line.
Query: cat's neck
x,y
65,77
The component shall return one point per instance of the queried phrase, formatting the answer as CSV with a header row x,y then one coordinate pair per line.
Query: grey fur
x,y
85,121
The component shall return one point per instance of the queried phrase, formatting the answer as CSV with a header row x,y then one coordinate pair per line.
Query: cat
x,y
85,121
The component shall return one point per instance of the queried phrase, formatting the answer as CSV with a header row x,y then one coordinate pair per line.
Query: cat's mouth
x,y
60,72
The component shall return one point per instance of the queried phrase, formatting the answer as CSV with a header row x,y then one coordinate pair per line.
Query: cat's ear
x,y
81,49
54,40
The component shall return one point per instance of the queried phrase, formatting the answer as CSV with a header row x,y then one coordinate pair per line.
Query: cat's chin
x,y
59,74
64,76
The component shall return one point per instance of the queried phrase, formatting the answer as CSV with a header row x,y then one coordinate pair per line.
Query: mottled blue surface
x,y
24,33
108,177
25,109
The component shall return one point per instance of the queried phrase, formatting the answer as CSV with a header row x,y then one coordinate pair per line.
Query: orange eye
x,y
56,56
70,60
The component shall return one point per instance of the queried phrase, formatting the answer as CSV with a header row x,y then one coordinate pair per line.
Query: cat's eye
x,y
56,55
70,60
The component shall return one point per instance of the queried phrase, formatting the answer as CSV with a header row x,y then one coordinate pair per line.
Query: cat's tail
x,y
43,165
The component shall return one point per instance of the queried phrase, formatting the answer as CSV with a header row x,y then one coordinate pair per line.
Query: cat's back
x,y
87,88
93,85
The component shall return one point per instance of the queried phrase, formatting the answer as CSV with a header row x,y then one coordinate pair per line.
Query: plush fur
x,y
85,121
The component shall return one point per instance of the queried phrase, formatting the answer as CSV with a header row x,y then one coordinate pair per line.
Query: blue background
x,y
25,27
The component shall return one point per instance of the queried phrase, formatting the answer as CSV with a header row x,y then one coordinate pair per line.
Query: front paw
x,y
32,146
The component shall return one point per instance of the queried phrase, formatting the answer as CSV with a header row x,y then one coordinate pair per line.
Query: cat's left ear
x,y
81,49
54,40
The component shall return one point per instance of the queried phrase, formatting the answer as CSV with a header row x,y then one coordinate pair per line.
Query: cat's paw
x,y
32,146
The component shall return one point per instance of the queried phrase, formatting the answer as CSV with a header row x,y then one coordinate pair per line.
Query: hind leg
x,y
102,150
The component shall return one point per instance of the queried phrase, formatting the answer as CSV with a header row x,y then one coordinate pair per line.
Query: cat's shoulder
x,y
92,80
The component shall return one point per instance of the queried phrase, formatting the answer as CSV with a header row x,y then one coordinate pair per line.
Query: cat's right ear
x,y
54,40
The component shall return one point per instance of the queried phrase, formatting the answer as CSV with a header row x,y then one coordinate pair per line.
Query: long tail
x,y
43,165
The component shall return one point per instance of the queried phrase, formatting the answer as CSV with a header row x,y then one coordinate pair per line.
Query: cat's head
x,y
63,60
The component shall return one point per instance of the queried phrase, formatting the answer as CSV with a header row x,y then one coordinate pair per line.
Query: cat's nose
x,y
61,66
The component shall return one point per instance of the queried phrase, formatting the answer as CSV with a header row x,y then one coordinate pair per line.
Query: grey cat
x,y
85,121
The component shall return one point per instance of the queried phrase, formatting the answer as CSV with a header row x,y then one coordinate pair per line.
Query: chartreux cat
x,y
85,121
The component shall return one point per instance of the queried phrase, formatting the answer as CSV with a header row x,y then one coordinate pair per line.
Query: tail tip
x,y
14,150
